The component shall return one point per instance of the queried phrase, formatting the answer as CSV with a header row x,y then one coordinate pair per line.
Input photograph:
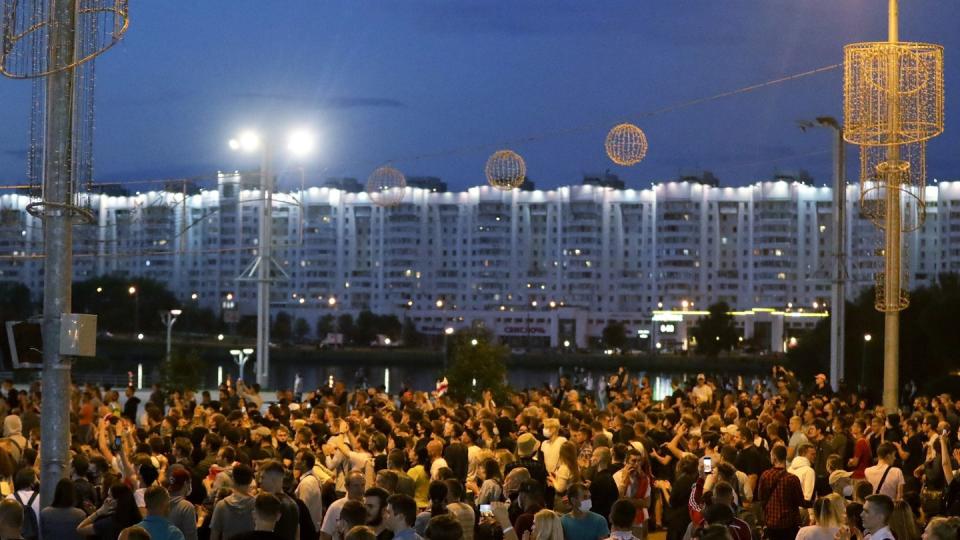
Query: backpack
x,y
30,530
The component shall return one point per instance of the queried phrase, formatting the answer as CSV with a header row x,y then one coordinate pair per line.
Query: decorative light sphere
x,y
626,144
386,186
505,170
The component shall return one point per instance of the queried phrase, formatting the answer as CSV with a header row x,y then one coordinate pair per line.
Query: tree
x,y
345,326
196,320
119,311
325,325
715,332
365,330
16,303
182,372
615,335
247,326
390,326
282,327
301,328
928,341
477,363
411,336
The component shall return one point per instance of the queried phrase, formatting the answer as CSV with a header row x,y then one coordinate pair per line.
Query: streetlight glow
x,y
867,337
176,312
440,304
300,142
332,301
248,141
132,290
448,330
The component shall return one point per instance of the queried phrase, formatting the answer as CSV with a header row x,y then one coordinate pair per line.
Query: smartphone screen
x,y
707,465
485,510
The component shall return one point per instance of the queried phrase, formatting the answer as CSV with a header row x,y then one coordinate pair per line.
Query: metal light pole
x,y
261,270
892,245
168,318
447,332
132,291
863,361
58,245
240,357
265,249
839,275
443,323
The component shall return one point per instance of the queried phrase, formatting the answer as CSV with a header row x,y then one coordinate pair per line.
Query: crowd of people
x,y
719,458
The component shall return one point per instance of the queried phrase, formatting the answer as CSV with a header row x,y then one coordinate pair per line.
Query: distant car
x,y
332,341
383,341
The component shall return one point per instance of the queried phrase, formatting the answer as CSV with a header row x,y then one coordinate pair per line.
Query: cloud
x,y
326,103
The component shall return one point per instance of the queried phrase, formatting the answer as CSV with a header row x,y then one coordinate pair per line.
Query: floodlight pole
x,y
265,248
58,244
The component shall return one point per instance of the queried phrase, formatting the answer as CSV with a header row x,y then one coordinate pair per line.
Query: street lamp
x,y
867,338
838,223
240,357
263,268
132,291
168,318
443,321
448,331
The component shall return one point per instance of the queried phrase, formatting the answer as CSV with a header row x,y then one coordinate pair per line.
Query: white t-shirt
x,y
551,453
435,467
703,393
473,461
816,532
25,495
892,482
332,516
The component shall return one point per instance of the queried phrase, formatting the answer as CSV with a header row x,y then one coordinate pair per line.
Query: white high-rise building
x,y
555,264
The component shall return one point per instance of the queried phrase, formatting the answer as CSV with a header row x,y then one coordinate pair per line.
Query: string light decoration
x,y
27,26
626,144
505,170
386,186
892,92
892,104
907,175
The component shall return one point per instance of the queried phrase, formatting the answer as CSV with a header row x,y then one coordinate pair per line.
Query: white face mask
x,y
547,432
586,505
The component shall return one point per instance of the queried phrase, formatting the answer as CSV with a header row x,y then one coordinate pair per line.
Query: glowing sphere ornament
x,y
386,186
626,144
505,170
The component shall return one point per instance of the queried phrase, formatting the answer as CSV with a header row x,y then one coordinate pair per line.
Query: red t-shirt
x,y
85,418
861,451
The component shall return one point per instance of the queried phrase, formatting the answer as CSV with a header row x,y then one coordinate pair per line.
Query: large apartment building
x,y
536,265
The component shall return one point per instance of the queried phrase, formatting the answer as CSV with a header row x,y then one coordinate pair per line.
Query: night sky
x,y
393,80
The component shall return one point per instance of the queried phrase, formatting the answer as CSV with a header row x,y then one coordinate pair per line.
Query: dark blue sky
x,y
385,80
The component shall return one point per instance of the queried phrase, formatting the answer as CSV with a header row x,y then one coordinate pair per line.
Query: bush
x,y
484,363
